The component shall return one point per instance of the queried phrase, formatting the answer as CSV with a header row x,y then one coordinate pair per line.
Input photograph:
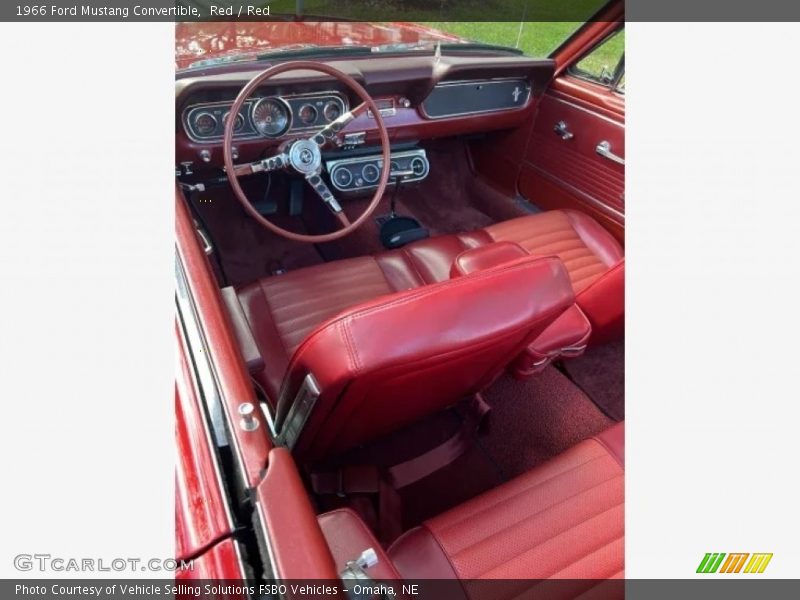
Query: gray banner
x,y
392,10
728,587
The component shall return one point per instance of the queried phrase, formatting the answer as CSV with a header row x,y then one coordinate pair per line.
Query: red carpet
x,y
533,420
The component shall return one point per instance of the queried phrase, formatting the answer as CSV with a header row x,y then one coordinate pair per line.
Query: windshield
x,y
201,44
537,39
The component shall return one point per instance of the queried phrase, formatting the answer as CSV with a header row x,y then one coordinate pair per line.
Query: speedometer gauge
x,y
271,116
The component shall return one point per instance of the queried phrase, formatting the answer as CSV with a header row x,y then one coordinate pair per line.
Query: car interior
x,y
421,264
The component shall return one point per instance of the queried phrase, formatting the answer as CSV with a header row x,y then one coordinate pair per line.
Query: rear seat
x,y
562,520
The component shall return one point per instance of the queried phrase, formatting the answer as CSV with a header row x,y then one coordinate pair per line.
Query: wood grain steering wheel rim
x,y
301,150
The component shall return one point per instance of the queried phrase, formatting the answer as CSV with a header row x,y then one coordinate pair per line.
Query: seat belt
x,y
405,473
370,479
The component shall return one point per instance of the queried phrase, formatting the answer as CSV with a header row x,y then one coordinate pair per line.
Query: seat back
x,y
386,363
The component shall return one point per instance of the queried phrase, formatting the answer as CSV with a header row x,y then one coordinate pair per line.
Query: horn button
x,y
305,157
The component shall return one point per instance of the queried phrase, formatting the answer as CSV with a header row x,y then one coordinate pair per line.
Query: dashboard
x,y
419,97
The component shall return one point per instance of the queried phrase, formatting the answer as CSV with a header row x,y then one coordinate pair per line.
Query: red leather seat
x,y
282,311
562,520
385,363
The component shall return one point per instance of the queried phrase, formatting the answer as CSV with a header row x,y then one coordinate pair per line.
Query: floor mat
x,y
600,373
536,419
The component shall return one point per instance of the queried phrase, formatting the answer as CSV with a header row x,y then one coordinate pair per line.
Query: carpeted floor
x,y
533,420
247,250
600,373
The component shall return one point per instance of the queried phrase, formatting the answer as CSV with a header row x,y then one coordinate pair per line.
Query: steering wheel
x,y
303,155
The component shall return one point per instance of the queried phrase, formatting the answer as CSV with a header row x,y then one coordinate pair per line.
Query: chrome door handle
x,y
604,150
562,131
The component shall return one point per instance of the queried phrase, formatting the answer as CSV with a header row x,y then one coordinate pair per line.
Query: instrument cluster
x,y
269,116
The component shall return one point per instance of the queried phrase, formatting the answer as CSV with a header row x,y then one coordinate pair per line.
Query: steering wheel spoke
x,y
324,192
273,163
331,131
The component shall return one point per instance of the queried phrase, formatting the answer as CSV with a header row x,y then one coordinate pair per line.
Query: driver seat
x,y
405,353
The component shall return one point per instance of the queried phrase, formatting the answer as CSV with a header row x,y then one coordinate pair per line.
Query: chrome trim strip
x,y
302,405
239,559
207,378
191,338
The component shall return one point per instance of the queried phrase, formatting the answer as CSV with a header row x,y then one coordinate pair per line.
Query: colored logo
x,y
719,562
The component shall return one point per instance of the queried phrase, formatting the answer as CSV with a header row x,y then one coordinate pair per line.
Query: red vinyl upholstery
x,y
387,362
566,337
594,259
284,309
562,520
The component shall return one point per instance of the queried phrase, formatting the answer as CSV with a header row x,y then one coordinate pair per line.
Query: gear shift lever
x,y
396,230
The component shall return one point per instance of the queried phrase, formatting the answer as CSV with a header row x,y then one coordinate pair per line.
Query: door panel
x,y
559,171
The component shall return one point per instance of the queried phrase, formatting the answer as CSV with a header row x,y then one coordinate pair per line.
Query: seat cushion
x,y
563,520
